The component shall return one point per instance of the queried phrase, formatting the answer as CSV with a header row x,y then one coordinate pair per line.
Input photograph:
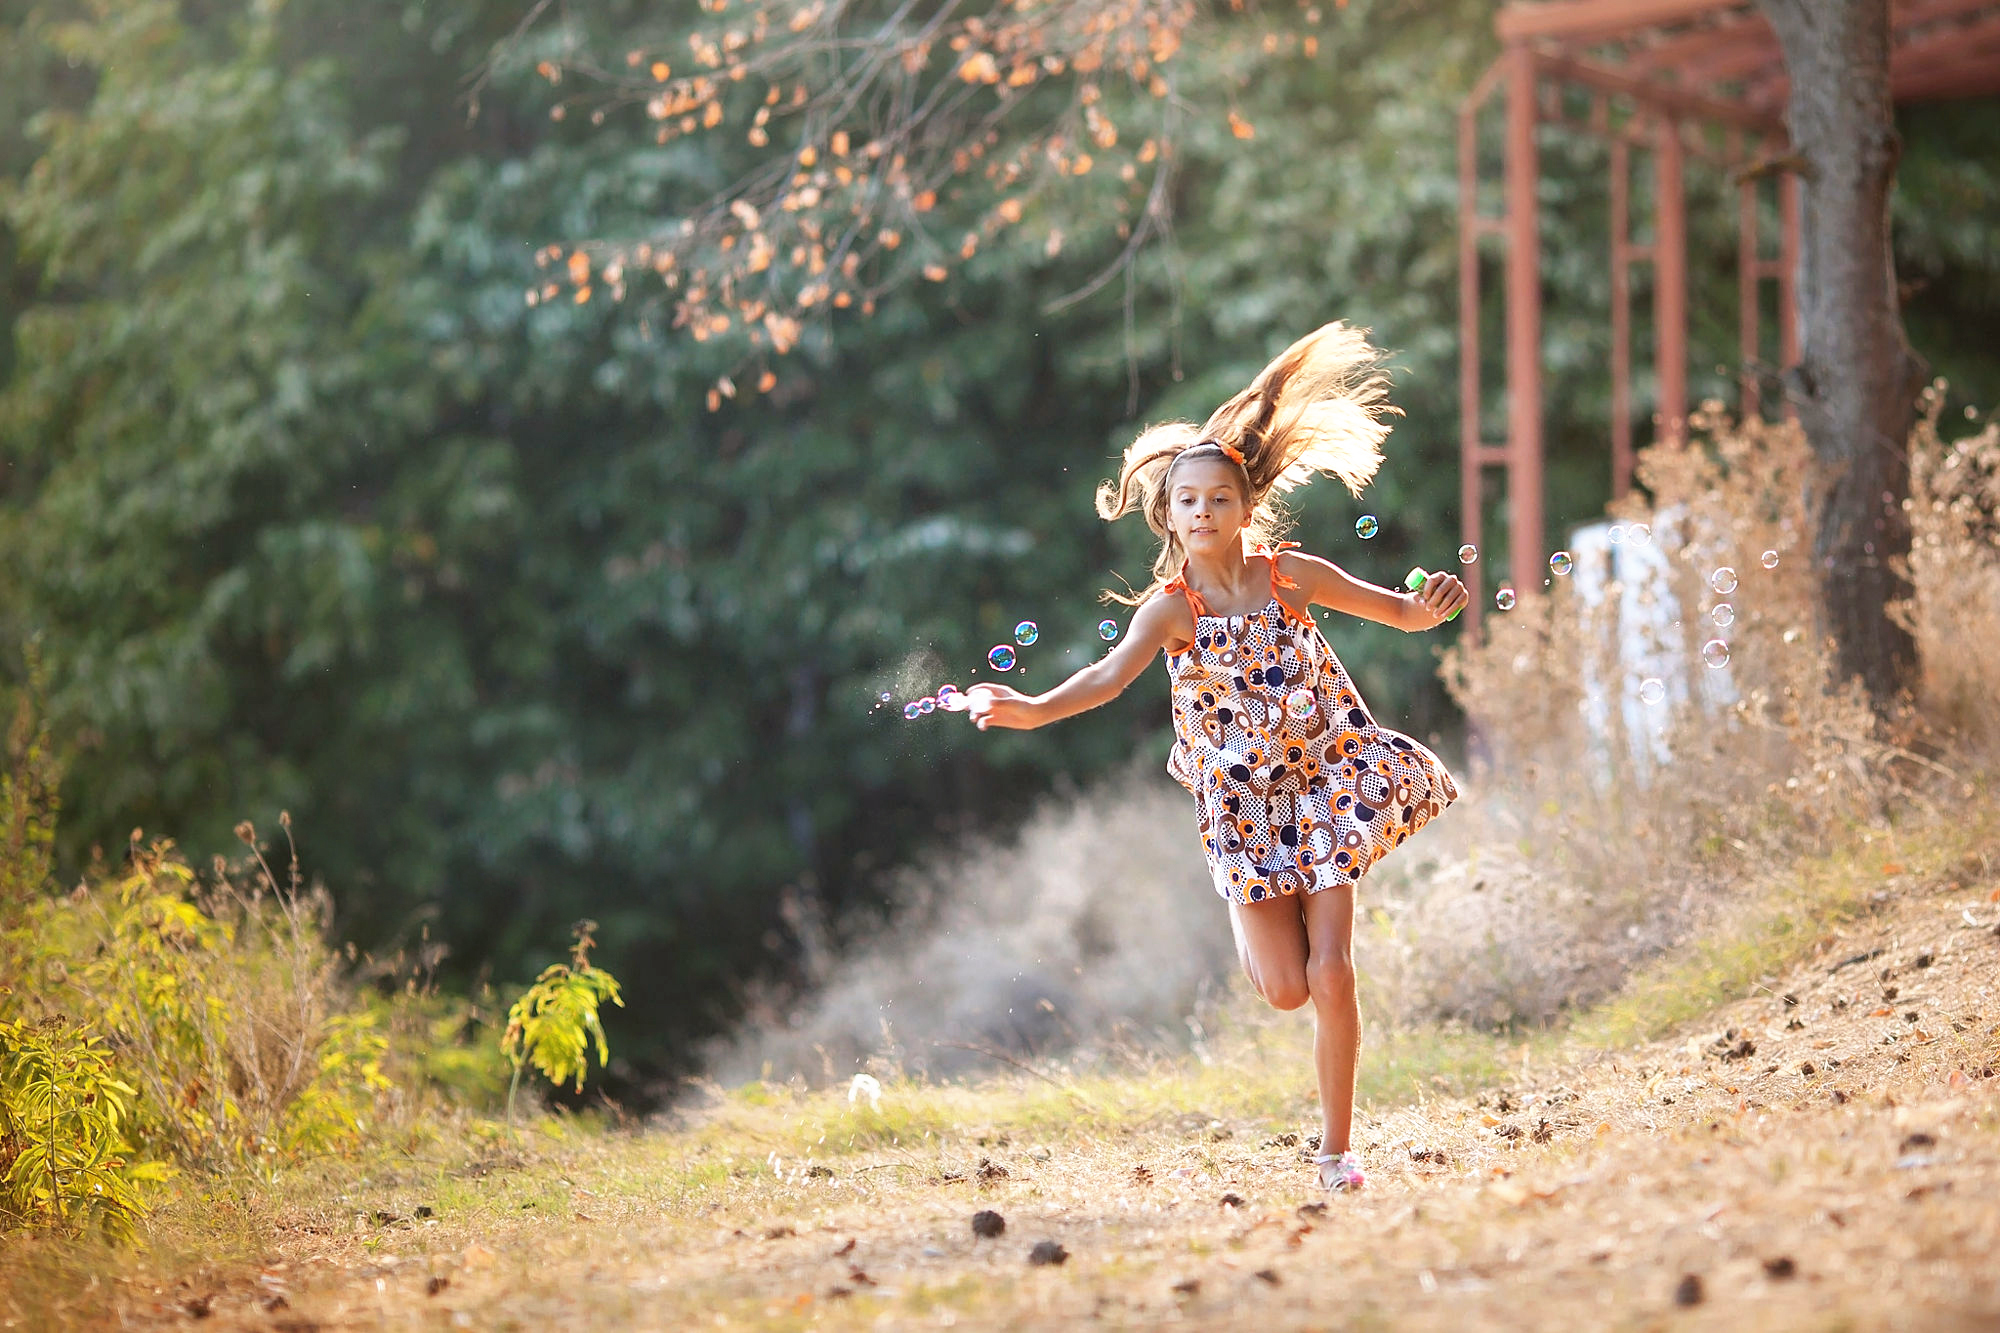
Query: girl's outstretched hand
x,y
999,706
1441,597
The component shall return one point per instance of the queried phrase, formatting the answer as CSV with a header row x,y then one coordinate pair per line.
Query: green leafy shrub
x,y
64,1161
553,1026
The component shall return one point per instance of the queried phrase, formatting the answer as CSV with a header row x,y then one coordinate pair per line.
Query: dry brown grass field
x,y
1820,1152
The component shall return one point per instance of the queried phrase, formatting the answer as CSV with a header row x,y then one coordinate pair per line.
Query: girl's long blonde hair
x,y
1319,407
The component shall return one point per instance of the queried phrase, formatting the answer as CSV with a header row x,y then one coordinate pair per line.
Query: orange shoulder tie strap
x,y
1270,553
1180,585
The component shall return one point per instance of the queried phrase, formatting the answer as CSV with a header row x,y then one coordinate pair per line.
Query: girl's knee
x,y
1287,993
1330,978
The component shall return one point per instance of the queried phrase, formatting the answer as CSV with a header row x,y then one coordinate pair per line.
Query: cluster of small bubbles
x,y
1723,580
1770,560
1027,632
1001,658
1300,702
1561,563
1724,615
1651,690
1617,534
1107,630
1504,599
912,711
1366,526
1639,534
1468,554
1715,652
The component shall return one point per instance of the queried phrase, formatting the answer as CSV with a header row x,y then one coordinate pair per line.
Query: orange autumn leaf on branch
x,y
872,142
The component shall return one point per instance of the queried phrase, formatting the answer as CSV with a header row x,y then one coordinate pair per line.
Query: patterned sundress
x,y
1289,799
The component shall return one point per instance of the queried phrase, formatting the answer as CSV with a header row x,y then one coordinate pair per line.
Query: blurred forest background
x,y
312,511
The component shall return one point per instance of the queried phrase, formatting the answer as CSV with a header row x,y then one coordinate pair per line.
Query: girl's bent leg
x,y
1329,974
1271,944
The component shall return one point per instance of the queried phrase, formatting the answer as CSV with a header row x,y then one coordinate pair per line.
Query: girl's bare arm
x,y
1327,584
1161,622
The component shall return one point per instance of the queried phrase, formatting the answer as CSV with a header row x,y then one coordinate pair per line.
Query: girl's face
x,y
1206,508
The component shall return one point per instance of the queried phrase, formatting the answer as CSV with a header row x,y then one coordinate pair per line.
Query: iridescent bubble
x,y
1367,526
1651,691
911,711
1724,615
1300,702
1107,630
1723,580
927,705
1562,562
1770,560
882,698
1715,652
945,692
1001,658
1617,533
1504,599
1027,632
1468,554
1639,534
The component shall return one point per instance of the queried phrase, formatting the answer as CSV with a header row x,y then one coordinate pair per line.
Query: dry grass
x,y
1531,1184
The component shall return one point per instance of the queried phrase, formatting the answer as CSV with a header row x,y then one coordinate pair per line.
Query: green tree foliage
x,y
317,512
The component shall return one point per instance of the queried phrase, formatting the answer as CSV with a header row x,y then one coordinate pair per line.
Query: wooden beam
x,y
1662,96
1573,19
1670,291
1950,45
1471,226
1524,324
1674,54
1621,319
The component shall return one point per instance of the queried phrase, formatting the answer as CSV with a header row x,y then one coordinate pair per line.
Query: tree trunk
x,y
1857,382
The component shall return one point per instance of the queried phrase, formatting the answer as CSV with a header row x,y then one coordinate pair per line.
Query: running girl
x,y
1297,791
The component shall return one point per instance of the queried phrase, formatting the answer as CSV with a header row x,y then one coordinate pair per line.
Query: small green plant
x,y
553,1026
64,1161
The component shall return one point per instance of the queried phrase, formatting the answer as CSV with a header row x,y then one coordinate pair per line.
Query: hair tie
x,y
1230,452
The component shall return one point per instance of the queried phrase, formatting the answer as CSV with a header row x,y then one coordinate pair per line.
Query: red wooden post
x,y
1524,325
1470,472
1670,325
1621,317
1749,269
1788,272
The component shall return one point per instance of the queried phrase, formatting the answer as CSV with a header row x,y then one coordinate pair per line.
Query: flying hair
x,y
1317,409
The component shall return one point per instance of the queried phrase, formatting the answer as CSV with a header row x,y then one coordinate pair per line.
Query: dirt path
x,y
1823,1155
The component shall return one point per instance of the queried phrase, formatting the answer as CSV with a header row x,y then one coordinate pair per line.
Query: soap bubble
x,y
1504,599
1562,562
882,698
1027,632
945,692
1367,526
1107,630
1300,702
1715,652
1723,580
911,711
952,699
1651,691
1468,554
1001,658
927,705
1724,614
1639,534
1617,533
1770,560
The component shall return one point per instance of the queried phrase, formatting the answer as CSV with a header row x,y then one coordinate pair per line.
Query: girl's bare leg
x,y
1271,944
1329,976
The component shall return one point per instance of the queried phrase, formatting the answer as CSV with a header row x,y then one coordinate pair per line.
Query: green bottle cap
x,y
1415,583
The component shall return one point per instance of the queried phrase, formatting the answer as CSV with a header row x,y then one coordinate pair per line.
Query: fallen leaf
x,y
1047,1252
987,1224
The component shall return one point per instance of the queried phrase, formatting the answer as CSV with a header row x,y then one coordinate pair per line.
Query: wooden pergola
x,y
1667,79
